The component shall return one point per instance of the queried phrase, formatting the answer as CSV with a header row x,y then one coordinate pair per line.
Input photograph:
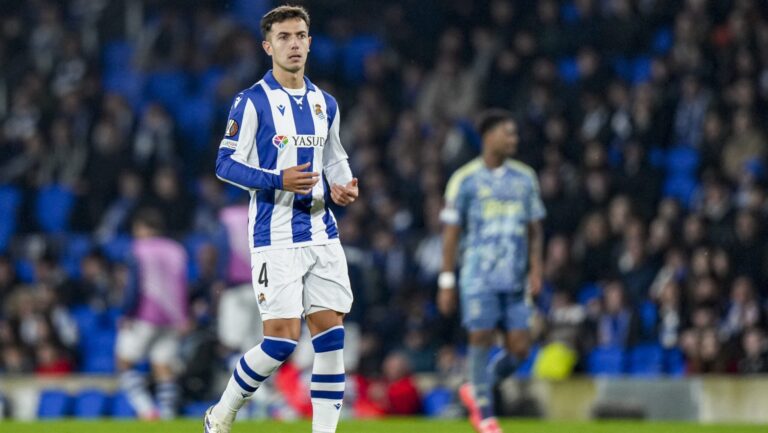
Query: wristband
x,y
446,280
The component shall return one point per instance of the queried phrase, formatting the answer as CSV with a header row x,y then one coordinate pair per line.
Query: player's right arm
x,y
452,216
239,141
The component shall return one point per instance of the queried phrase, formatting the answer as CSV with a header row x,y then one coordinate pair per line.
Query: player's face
x,y
504,138
288,44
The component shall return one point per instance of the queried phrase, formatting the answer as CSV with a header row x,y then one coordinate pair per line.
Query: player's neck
x,y
288,79
493,160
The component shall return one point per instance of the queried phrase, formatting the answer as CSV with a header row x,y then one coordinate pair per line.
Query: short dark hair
x,y
491,117
280,14
151,218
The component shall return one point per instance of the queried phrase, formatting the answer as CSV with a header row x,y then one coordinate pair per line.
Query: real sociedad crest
x,y
319,112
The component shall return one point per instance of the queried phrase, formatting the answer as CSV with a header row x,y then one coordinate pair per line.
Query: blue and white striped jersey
x,y
269,129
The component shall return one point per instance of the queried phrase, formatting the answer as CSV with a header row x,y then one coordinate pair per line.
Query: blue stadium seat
x,y
649,315
641,69
10,199
682,160
118,248
25,270
117,55
606,361
681,188
91,403
126,83
663,40
101,363
436,401
354,53
208,81
588,292
167,87
646,360
569,13
121,407
568,70
325,53
87,320
526,367
623,68
194,121
75,247
54,403
674,362
53,207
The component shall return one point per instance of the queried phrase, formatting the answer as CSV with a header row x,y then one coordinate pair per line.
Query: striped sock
x,y
252,369
167,398
327,389
480,378
134,384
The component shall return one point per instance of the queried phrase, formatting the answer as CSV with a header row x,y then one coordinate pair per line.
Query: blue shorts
x,y
491,310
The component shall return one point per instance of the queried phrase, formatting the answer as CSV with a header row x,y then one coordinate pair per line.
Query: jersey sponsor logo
x,y
232,128
299,140
319,112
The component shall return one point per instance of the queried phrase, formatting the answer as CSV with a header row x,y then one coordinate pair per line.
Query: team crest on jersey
x,y
319,112
280,141
232,128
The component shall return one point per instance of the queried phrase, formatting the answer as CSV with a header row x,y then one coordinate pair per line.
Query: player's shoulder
x,y
468,169
463,174
521,168
249,93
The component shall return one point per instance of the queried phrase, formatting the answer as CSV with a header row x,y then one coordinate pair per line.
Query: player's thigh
x,y
133,340
480,309
277,282
164,350
517,314
327,286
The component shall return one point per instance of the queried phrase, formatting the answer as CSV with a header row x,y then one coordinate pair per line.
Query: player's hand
x,y
344,195
446,301
296,180
534,283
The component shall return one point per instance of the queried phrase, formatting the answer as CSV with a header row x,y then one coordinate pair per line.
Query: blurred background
x,y
643,118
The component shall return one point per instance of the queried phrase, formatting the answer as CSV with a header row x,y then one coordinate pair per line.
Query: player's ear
x,y
267,47
309,42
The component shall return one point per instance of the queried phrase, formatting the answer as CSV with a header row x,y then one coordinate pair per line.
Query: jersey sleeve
x,y
456,200
534,207
238,142
335,159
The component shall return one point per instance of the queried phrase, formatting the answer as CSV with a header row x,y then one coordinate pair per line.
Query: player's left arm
x,y
344,189
535,256
535,236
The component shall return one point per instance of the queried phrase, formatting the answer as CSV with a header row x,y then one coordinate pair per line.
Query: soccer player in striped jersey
x,y
282,145
493,204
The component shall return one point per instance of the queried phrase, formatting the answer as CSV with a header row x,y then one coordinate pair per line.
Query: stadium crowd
x,y
643,118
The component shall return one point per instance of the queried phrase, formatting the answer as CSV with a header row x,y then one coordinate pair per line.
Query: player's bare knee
x,y
162,372
282,328
324,320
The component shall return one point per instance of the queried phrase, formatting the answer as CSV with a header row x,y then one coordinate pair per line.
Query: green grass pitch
x,y
406,425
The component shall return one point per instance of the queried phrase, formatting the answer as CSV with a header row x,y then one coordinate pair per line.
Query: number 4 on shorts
x,y
263,275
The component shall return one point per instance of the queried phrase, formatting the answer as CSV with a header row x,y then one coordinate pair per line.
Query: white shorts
x,y
138,340
292,282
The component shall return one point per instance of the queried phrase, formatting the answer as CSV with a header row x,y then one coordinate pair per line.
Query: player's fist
x,y
295,179
446,301
534,283
346,194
